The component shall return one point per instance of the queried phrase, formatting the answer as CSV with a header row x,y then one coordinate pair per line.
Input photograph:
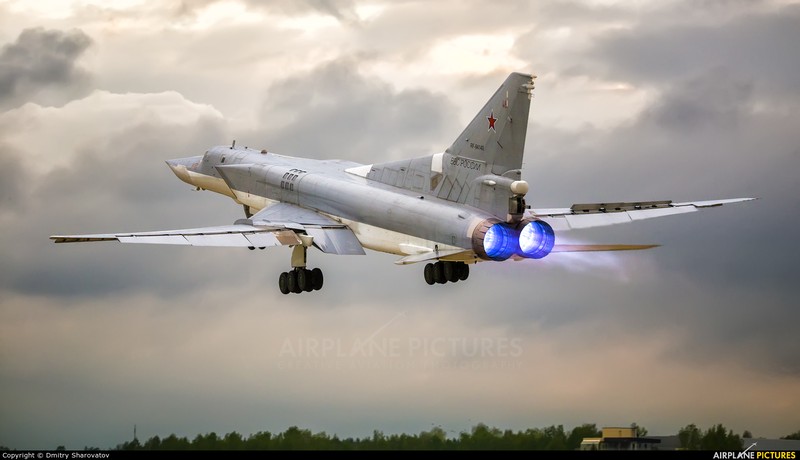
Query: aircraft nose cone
x,y
181,166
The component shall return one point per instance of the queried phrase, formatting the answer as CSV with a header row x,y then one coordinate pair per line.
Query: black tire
x,y
304,280
438,273
283,283
451,271
463,271
316,279
292,282
429,274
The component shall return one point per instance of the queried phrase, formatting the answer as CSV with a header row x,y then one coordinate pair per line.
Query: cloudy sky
x,y
635,100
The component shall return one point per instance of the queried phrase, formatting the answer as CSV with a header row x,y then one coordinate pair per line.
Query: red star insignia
x,y
492,120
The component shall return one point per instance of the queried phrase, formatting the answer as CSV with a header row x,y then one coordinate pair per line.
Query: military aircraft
x,y
450,209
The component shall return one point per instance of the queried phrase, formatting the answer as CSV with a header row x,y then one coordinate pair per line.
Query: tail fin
x,y
484,160
496,136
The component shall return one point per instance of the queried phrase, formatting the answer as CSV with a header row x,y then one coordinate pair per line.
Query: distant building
x,y
620,438
771,444
625,438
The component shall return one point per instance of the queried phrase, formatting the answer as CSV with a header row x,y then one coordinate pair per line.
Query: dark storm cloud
x,y
341,10
726,275
334,111
713,101
14,180
40,59
759,46
721,124
120,184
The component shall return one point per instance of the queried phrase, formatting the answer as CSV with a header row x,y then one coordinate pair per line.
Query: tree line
x,y
480,437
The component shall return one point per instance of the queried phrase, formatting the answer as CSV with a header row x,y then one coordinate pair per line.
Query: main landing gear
x,y
300,279
441,272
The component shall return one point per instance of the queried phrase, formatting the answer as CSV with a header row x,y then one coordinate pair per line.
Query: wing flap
x,y
152,239
263,240
447,254
339,240
220,240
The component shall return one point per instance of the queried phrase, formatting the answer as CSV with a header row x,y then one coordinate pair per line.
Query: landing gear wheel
x,y
292,282
283,283
429,274
304,282
438,273
463,271
316,279
451,271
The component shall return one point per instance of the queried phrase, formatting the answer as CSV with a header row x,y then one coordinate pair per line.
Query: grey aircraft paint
x,y
463,205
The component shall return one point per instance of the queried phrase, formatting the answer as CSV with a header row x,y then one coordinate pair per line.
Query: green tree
x,y
556,438
587,430
208,442
482,437
294,438
690,437
172,442
795,436
153,443
259,441
233,441
718,438
747,434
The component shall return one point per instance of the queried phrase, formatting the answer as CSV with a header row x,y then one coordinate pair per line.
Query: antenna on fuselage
x,y
233,144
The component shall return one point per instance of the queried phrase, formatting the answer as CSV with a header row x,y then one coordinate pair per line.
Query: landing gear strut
x,y
300,279
442,272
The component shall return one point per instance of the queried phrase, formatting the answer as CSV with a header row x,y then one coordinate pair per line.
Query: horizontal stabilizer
x,y
601,247
594,248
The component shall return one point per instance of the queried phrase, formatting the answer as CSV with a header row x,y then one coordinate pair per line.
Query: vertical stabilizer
x,y
479,168
496,136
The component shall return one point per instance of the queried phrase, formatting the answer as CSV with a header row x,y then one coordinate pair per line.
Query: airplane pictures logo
x,y
748,454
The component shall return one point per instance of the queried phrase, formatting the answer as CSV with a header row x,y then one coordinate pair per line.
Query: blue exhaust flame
x,y
500,242
536,239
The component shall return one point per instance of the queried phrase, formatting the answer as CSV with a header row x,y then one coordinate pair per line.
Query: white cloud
x,y
46,136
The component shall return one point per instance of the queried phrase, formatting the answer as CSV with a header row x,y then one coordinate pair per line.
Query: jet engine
x,y
536,239
494,239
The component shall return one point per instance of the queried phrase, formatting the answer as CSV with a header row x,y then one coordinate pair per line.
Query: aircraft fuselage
x,y
383,218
